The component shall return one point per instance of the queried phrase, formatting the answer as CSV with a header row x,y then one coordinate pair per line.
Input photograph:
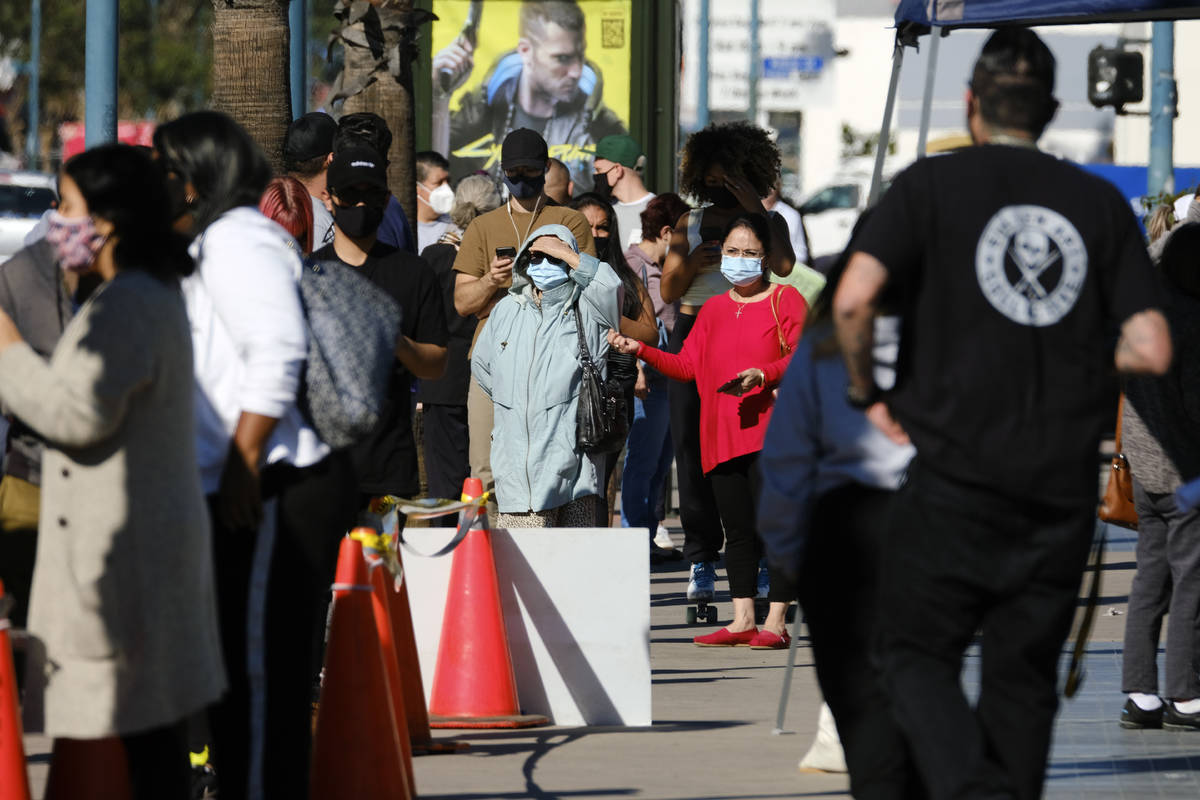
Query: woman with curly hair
x,y
732,166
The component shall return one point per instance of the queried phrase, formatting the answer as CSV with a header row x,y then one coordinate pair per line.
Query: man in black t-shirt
x,y
386,461
1015,272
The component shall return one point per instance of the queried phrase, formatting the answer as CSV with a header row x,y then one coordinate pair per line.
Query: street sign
x,y
797,49
786,67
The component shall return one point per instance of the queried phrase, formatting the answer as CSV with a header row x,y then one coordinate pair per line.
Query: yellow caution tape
x,y
199,759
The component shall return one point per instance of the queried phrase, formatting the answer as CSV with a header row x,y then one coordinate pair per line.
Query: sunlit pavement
x,y
714,711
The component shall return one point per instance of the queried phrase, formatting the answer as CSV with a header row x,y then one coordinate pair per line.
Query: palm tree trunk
x,y
250,69
379,42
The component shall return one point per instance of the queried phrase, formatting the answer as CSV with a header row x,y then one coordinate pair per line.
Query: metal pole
x,y
702,68
298,53
885,129
100,80
754,59
32,140
1163,97
935,39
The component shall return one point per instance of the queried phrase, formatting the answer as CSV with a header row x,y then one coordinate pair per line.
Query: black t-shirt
x,y
1015,271
451,388
386,461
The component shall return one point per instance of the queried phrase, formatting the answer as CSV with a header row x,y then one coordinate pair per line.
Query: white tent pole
x,y
935,39
886,128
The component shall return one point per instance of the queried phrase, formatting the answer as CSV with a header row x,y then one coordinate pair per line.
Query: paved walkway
x,y
714,711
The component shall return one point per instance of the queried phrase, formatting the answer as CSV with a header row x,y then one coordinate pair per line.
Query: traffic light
x,y
1115,77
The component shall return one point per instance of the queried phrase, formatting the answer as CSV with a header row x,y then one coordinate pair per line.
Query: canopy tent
x,y
990,13
915,18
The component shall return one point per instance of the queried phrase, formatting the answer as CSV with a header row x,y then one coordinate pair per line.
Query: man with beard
x,y
545,84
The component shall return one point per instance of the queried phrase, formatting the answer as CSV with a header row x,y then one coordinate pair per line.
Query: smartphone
x,y
506,252
710,235
732,386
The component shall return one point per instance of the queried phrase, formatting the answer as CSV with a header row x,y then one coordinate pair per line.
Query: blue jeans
x,y
648,456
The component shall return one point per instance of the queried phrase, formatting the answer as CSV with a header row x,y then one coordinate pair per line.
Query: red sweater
x,y
721,345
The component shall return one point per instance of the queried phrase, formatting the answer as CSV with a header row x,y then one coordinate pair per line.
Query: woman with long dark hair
x,y
123,595
637,315
280,499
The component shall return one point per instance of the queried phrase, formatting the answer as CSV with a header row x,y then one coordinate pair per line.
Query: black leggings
x,y
736,484
315,507
839,590
158,763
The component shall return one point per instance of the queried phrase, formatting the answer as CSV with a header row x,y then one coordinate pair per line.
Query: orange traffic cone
x,y
357,750
473,684
387,648
14,782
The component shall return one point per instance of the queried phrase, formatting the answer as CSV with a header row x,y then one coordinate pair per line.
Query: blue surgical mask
x,y
741,271
546,274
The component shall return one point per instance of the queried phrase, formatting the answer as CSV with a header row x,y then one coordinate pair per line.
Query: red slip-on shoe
x,y
765,640
725,638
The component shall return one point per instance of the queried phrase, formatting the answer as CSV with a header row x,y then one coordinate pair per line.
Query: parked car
x,y
831,211
24,197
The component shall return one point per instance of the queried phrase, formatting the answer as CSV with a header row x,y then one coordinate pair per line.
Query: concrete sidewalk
x,y
714,710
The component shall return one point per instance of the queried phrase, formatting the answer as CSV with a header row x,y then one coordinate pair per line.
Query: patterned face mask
x,y
75,241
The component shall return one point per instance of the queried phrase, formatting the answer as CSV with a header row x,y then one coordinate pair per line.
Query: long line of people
x,y
163,331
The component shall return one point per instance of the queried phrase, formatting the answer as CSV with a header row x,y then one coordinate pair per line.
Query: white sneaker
x,y
662,538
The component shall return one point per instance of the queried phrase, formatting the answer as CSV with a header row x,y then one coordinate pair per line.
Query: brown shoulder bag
x,y
1116,507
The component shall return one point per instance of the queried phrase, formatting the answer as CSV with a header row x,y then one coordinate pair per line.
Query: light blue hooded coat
x,y
527,361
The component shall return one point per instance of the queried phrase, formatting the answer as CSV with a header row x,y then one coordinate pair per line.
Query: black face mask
x,y
601,245
525,188
357,222
600,185
720,196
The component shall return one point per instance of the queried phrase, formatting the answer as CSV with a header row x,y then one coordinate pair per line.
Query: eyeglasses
x,y
733,252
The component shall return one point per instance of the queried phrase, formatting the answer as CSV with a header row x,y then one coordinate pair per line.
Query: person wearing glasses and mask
x,y
484,264
736,353
527,361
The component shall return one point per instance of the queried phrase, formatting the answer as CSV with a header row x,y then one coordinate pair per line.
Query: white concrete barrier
x,y
577,608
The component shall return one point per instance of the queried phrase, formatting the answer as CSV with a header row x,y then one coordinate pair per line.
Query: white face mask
x,y
441,199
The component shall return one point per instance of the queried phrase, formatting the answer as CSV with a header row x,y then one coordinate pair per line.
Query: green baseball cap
x,y
621,149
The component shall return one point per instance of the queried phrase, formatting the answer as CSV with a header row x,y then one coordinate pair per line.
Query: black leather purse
x,y
601,423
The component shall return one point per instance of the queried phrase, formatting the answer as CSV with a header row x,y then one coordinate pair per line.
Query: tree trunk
x,y
251,70
379,41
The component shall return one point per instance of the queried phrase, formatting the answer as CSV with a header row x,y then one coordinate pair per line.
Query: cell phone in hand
x,y
732,386
506,252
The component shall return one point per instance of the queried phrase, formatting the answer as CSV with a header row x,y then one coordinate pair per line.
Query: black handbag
x,y
601,424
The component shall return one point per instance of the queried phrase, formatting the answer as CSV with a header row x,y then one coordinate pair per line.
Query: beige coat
x,y
123,595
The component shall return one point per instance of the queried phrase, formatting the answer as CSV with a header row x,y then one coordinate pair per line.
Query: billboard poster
x,y
560,67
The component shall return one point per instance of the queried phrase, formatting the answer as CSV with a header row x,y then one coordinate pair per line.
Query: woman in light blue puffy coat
x,y
527,361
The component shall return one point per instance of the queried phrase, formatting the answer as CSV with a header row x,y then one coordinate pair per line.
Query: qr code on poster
x,y
612,33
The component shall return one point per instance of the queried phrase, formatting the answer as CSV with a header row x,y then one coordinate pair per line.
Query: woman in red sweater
x,y
737,353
